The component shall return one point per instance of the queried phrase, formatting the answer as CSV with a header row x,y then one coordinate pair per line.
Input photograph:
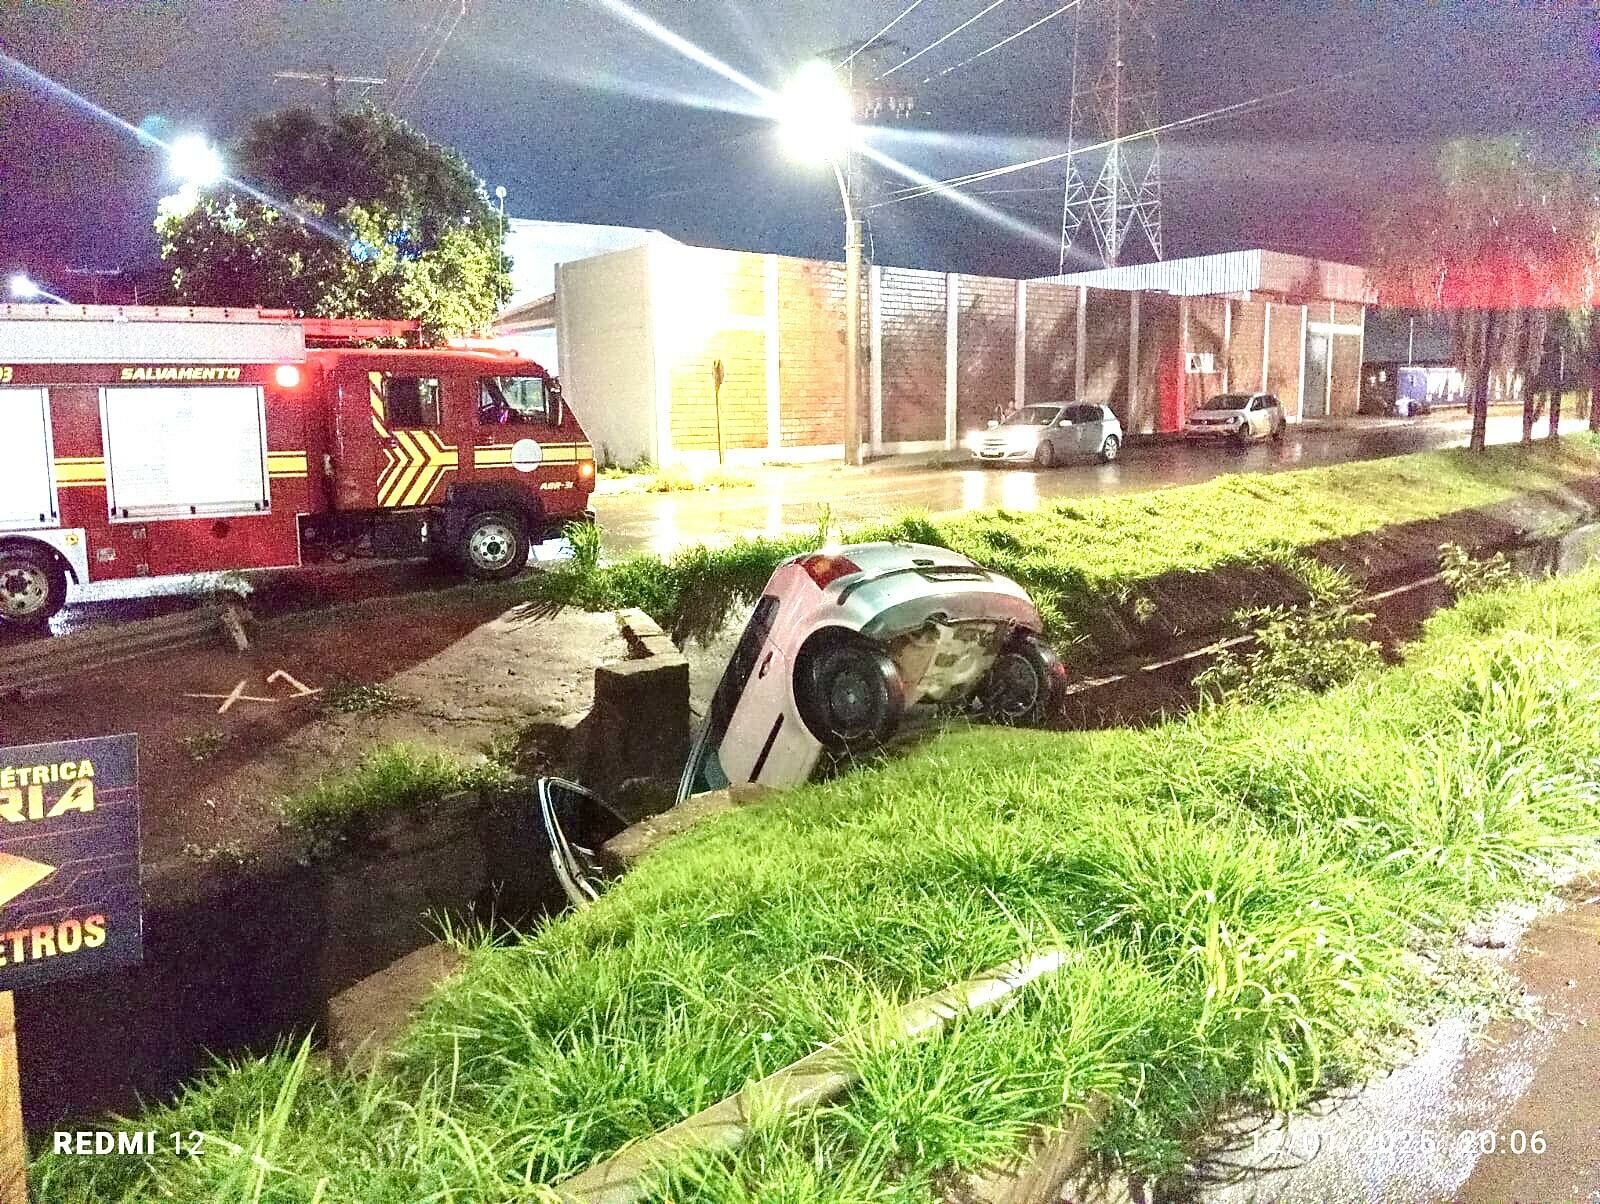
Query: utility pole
x,y
862,67
332,81
96,275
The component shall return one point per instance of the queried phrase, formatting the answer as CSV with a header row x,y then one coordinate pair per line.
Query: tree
x,y
356,216
1503,242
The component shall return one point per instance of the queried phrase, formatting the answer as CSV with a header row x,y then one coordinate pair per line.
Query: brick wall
x,y
986,343
1105,353
811,361
723,319
1052,340
1154,396
1205,335
1283,359
913,321
744,393
1244,359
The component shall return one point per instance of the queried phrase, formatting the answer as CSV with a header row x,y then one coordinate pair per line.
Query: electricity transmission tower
x,y
1112,188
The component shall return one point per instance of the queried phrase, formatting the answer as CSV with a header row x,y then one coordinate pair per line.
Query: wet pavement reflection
x,y
791,499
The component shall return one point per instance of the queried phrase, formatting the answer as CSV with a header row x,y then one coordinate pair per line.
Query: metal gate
x,y
1319,361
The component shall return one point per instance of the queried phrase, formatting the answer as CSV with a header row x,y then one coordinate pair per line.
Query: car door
x,y
1093,426
1069,438
1258,418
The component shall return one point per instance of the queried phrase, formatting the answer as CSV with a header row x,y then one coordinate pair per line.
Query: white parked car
x,y
841,643
1241,417
1049,434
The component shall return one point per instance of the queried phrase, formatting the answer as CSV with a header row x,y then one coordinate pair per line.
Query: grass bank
x,y
1077,557
1260,901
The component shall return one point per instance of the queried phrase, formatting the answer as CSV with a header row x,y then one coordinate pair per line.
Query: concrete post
x,y
1019,359
952,363
875,353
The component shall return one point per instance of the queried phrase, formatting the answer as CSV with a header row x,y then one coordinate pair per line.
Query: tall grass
x,y
1254,895
1080,557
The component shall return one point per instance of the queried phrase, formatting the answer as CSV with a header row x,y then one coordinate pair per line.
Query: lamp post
x,y
817,120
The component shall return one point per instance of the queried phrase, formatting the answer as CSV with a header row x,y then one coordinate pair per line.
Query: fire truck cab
x,y
159,440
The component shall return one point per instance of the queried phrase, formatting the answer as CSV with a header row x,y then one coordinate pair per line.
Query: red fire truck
x,y
158,440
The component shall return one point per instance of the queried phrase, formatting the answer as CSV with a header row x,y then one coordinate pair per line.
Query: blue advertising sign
x,y
70,903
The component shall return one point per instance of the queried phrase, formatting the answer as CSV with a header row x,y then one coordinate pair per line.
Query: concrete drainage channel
x,y
239,959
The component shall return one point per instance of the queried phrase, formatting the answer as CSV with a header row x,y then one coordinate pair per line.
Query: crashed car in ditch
x,y
838,648
842,643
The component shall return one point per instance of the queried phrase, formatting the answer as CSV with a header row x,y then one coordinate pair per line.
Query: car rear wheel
x,y
850,695
1023,686
1045,456
1110,449
1277,432
493,546
32,586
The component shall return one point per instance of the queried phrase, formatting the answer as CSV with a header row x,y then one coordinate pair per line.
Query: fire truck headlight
x,y
287,376
586,468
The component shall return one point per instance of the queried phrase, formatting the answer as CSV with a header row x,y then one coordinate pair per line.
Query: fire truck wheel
x,y
32,586
494,545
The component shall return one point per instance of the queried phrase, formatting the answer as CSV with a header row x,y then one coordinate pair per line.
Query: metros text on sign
x,y
69,860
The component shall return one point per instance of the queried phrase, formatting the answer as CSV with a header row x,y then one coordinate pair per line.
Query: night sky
x,y
584,118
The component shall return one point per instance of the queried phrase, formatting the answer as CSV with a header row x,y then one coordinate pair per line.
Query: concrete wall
x,y
607,352
940,353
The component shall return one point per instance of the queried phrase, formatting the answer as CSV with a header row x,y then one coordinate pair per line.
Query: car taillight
x,y
825,569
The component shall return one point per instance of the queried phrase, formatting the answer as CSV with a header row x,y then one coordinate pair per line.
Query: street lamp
x,y
816,120
500,199
25,288
195,161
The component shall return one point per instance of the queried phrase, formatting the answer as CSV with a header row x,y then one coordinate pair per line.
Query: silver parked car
x,y
1048,434
1241,417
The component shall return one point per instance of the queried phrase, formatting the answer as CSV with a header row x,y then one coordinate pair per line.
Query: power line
x,y
429,32
863,45
940,41
916,191
1003,41
416,86
332,81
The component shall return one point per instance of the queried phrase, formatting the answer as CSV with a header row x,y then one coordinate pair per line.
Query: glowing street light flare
x,y
25,288
816,114
195,161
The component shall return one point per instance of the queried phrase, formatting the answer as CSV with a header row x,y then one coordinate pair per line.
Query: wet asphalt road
x,y
791,499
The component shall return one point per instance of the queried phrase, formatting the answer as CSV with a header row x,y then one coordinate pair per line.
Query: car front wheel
x,y
1045,457
1024,684
1110,449
850,695
493,546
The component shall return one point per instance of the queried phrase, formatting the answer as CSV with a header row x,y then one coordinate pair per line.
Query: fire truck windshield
x,y
513,399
